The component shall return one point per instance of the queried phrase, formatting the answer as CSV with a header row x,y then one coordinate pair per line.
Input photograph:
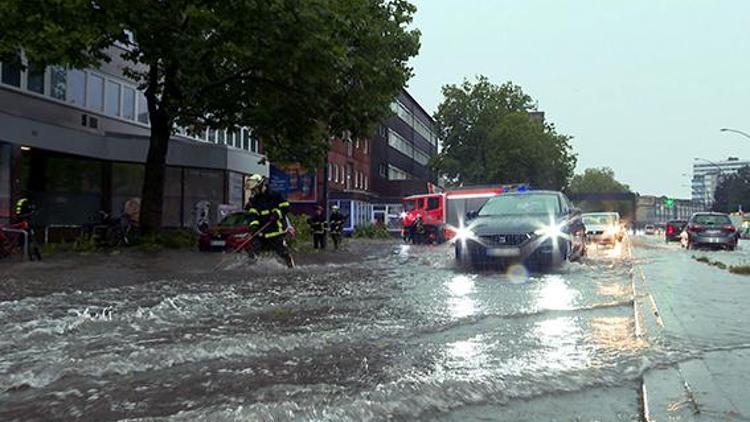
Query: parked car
x,y
649,229
540,229
673,230
710,229
215,237
603,228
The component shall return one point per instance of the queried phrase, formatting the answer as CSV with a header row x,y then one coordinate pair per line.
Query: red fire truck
x,y
442,213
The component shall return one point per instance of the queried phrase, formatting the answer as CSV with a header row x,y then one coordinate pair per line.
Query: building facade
x,y
654,209
75,141
707,176
367,177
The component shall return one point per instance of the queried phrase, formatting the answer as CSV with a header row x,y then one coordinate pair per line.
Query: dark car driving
x,y
540,229
711,229
673,230
215,237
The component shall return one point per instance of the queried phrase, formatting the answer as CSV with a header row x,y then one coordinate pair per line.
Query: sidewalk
x,y
703,348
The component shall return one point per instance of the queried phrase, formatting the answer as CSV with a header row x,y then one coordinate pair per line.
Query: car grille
x,y
505,240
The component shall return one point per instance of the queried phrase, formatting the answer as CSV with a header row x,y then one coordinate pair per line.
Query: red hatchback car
x,y
221,236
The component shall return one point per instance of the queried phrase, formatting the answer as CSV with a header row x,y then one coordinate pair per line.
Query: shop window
x,y
113,98
202,185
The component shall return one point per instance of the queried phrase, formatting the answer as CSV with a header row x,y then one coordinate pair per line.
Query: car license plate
x,y
218,243
503,252
714,232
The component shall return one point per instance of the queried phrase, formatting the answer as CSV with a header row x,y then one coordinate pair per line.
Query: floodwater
x,y
401,335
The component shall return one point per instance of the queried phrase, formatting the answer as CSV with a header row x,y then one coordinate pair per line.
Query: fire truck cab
x,y
442,213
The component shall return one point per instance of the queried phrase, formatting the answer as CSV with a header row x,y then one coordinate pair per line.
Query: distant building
x,y
653,209
367,178
707,175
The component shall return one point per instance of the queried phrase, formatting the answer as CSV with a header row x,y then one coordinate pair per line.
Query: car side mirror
x,y
472,215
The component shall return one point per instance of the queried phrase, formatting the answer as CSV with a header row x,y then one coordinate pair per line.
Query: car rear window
x,y
712,220
235,220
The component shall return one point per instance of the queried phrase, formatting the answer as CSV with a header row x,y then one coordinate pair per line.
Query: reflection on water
x,y
615,334
555,294
469,358
460,303
562,341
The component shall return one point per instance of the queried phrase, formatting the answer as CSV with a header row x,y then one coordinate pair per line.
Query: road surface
x,y
399,333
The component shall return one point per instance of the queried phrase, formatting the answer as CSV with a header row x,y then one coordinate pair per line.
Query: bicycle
x,y
12,239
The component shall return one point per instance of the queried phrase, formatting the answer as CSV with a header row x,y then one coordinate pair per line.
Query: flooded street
x,y
400,334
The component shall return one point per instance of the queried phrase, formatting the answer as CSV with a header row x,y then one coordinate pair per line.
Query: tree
x,y
597,180
600,180
733,192
489,136
296,72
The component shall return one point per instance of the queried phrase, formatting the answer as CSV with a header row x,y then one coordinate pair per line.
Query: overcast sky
x,y
643,85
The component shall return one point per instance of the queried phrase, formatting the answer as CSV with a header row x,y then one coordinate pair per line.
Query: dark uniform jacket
x,y
337,222
269,208
317,224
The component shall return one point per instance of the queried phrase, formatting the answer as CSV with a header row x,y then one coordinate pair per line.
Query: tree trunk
x,y
156,170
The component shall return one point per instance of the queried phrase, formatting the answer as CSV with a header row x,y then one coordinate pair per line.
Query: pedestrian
x,y
268,212
318,226
336,224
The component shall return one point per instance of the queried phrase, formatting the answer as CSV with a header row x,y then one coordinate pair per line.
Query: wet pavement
x,y
392,332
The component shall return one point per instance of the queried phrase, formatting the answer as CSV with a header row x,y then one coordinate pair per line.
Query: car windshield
x,y
521,204
599,219
234,220
409,205
711,219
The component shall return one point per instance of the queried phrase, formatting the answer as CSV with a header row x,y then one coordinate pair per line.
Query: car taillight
x,y
695,228
730,228
670,229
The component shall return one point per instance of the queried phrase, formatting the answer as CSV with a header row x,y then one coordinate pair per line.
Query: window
x,y
142,108
35,78
421,157
76,87
395,173
246,139
237,142
211,135
222,139
58,78
95,92
365,187
367,146
330,171
383,170
128,103
12,72
113,99
433,203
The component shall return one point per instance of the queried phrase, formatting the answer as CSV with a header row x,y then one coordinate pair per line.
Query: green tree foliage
x,y
597,180
489,136
296,72
733,192
600,180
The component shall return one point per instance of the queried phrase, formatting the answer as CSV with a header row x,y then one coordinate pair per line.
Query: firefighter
x,y
318,226
24,209
336,225
268,223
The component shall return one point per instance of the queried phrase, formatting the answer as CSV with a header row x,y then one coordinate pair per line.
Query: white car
x,y
603,228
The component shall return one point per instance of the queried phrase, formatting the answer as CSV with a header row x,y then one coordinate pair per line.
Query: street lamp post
x,y
739,132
